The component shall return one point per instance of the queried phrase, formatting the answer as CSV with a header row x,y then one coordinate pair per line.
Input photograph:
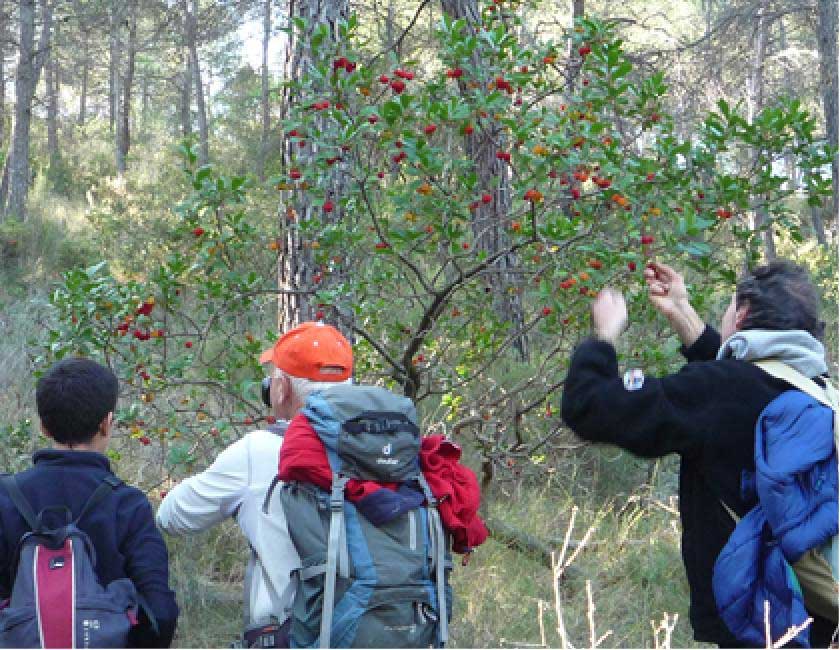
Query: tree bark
x,y
186,97
85,76
127,85
573,67
201,110
264,103
16,174
827,42
755,101
114,65
489,220
51,83
4,28
296,263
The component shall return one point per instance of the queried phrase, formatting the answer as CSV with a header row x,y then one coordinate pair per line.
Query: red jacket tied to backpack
x,y
303,458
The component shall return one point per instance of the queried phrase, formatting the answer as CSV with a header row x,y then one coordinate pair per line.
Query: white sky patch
x,y
251,33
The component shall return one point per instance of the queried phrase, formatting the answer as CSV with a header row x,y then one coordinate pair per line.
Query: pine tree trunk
x,y
755,101
489,220
573,67
3,30
296,264
15,184
827,42
84,90
264,102
127,85
51,81
186,97
201,110
114,64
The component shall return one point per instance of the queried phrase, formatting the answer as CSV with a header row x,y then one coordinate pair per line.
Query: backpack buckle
x,y
337,493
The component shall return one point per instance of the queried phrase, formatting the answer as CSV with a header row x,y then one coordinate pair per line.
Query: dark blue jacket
x,y
796,485
122,530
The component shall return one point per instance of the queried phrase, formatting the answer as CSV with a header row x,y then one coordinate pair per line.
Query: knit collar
x,y
56,457
796,348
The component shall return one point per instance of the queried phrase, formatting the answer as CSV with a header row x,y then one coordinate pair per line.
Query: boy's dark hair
x,y
781,296
73,398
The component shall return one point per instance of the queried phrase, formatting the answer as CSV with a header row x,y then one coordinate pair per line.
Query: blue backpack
x,y
57,600
373,578
784,552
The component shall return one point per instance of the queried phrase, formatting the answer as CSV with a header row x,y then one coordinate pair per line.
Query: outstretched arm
x,y
210,497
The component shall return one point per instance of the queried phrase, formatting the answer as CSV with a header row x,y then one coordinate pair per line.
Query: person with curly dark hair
x,y
708,411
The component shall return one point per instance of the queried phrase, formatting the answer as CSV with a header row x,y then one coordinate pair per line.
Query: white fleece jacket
x,y
236,485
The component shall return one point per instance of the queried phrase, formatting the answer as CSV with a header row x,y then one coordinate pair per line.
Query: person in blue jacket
x,y
706,412
76,400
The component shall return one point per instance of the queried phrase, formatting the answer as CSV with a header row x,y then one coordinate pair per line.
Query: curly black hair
x,y
780,296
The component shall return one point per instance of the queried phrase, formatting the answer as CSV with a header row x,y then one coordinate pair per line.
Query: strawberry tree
x,y
484,198
593,179
185,334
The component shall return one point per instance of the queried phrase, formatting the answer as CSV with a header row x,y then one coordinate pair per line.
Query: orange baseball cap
x,y
312,351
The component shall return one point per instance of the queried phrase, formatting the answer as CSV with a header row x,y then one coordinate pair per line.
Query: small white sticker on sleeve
x,y
634,379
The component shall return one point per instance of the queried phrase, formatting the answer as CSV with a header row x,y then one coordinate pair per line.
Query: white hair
x,y
302,388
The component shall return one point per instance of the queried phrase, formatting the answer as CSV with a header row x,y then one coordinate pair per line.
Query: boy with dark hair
x,y
76,401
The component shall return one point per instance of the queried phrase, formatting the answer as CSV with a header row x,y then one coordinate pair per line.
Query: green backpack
x,y
363,585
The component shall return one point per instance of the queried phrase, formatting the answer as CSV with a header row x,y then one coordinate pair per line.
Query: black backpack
x,y
57,600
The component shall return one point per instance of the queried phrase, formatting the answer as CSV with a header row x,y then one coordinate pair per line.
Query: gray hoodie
x,y
797,348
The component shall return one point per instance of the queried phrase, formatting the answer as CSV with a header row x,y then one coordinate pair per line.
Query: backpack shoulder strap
x,y
19,501
827,396
108,485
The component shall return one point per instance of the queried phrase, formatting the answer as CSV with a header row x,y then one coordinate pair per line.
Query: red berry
x,y
328,206
383,79
631,266
145,440
503,155
647,239
455,73
294,174
468,129
486,198
381,245
546,311
198,232
429,129
584,50
404,74
465,246
380,174
649,178
373,119
188,344
575,193
319,315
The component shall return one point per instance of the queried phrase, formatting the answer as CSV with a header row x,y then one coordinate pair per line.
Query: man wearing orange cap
x,y
306,359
